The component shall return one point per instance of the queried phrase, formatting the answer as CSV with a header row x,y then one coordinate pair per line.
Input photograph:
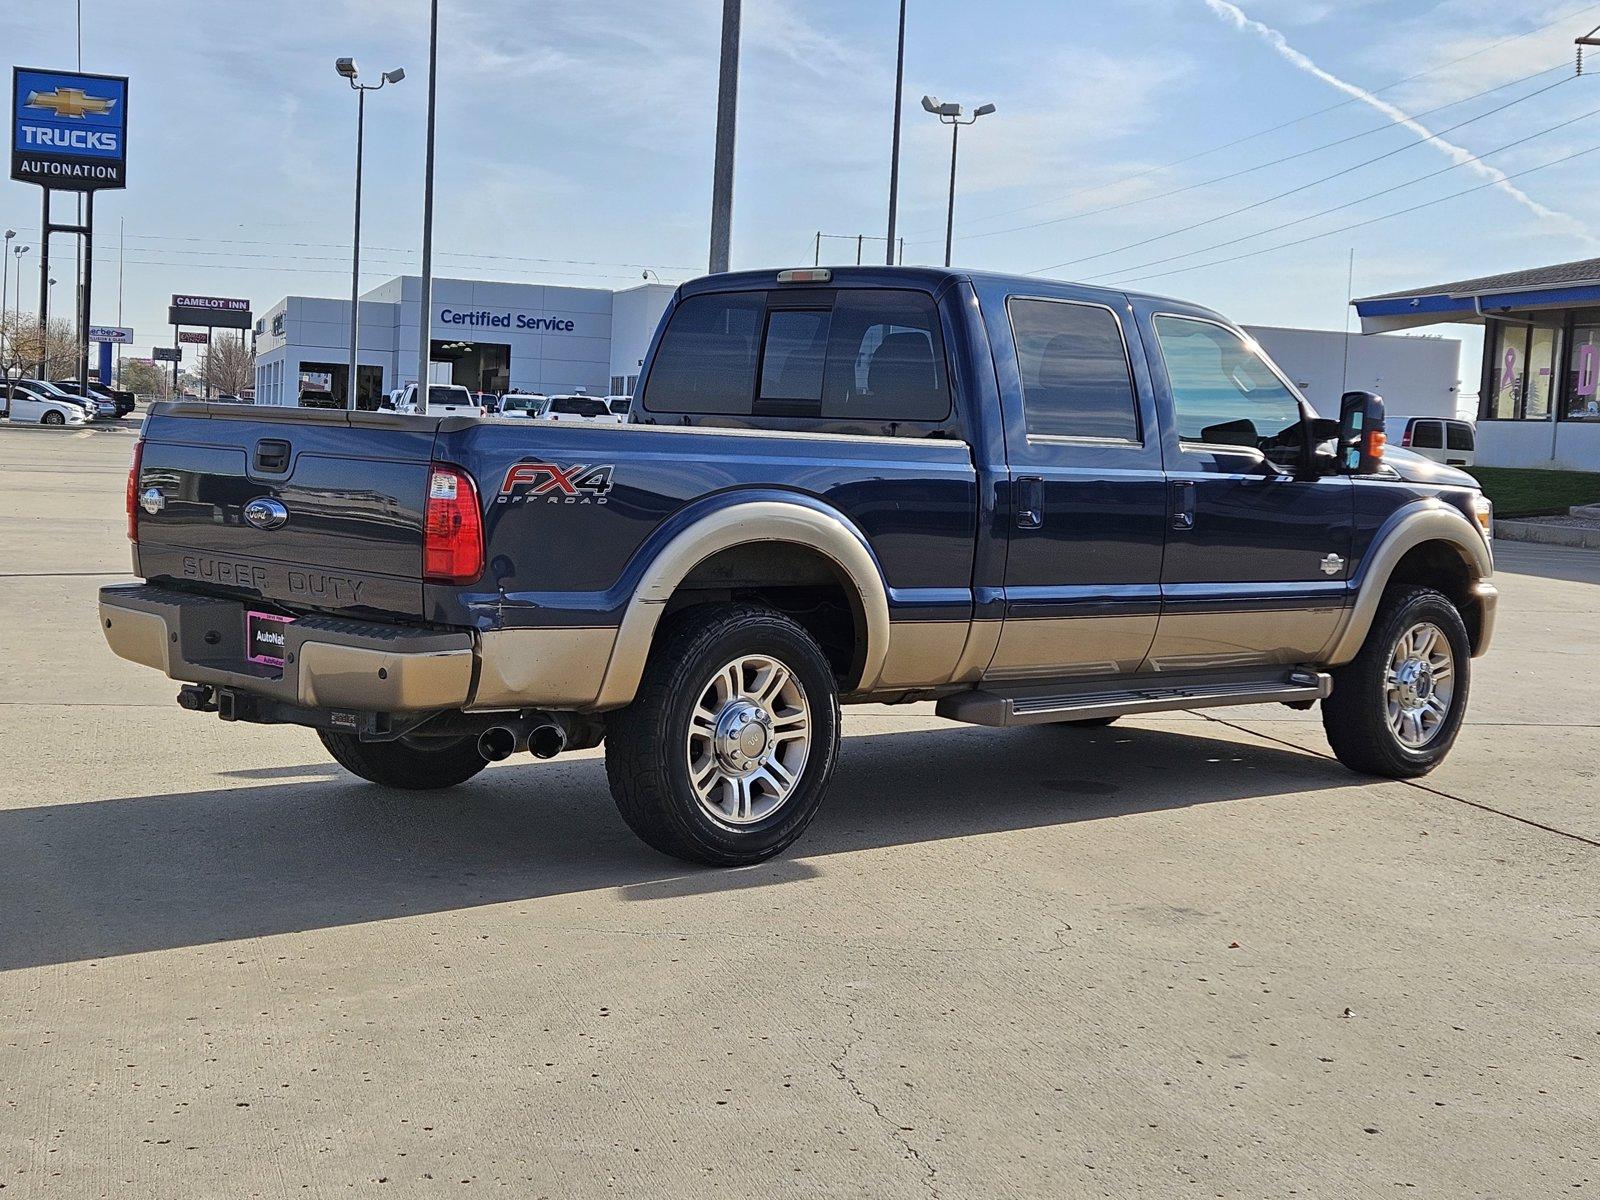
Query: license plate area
x,y
264,637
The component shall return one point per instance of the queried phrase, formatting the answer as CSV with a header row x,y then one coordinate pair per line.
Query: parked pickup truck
x,y
1030,501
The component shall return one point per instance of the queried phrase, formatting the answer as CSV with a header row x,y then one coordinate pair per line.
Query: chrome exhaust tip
x,y
547,741
498,743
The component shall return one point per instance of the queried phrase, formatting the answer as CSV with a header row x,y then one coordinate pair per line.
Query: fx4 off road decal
x,y
551,483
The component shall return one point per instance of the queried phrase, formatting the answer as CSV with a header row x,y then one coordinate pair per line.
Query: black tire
x,y
1355,716
646,743
408,765
1088,722
52,418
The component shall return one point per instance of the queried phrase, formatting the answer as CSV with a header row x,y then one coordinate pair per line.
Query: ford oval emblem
x,y
265,513
152,500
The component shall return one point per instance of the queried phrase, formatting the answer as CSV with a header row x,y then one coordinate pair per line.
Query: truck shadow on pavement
x,y
120,876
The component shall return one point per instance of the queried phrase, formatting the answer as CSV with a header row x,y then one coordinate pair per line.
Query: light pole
x,y
727,123
894,148
950,114
425,319
5,286
347,68
16,252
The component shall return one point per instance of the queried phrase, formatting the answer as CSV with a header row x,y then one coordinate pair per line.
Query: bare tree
x,y
21,355
228,365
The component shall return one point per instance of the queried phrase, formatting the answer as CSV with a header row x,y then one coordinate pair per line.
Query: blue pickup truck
x,y
1030,501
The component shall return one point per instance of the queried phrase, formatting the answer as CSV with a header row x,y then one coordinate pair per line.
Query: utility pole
x,y
425,319
727,120
894,152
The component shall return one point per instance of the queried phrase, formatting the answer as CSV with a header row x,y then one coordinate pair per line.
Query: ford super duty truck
x,y
1027,500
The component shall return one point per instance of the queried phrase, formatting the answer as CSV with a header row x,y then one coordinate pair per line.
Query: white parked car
x,y
581,408
1444,440
522,405
620,406
444,400
35,402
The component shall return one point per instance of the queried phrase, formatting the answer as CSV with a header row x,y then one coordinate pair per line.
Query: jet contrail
x,y
1233,14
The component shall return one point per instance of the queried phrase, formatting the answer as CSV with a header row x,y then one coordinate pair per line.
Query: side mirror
x,y
1361,435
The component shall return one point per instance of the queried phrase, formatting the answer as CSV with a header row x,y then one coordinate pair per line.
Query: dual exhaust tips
x,y
543,738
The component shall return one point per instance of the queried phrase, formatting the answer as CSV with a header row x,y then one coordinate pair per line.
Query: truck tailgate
x,y
342,529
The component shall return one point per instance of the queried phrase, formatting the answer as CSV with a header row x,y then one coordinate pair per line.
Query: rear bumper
x,y
329,662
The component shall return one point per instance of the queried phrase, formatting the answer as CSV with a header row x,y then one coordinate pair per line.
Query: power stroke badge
x,y
552,483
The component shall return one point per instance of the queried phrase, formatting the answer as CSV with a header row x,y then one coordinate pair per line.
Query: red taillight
x,y
133,491
1405,438
452,534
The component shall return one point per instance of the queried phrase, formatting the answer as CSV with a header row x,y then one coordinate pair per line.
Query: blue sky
x,y
575,141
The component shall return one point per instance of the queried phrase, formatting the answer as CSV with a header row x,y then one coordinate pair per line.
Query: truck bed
x,y
570,511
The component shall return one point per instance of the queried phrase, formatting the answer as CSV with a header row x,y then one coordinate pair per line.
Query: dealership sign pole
x,y
69,132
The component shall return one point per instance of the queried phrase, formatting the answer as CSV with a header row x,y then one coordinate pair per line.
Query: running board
x,y
1036,706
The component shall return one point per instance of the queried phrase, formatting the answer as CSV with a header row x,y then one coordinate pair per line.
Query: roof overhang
x,y
1384,314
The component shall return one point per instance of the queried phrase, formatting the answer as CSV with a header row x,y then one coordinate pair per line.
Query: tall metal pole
x,y
5,286
950,214
355,257
894,152
88,279
122,232
727,120
44,288
424,321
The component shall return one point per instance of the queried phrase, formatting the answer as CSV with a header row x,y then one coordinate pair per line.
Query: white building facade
x,y
495,337
1416,376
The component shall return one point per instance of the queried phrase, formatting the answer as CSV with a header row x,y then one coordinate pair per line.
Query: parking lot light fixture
x,y
950,114
346,67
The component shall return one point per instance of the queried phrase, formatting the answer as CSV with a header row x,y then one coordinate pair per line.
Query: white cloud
x,y
1280,45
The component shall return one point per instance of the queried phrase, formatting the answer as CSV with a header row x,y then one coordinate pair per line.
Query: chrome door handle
x,y
1030,502
1182,504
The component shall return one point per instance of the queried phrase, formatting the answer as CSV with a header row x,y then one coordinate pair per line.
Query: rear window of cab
x,y
869,354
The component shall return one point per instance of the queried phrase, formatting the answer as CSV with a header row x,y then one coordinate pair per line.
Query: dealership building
x,y
493,337
1540,378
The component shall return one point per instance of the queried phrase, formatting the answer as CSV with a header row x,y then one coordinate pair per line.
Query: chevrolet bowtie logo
x,y
70,102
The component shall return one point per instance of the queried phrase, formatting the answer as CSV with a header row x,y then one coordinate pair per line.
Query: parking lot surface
x,y
1187,955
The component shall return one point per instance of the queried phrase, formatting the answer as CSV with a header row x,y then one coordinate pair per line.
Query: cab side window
x,y
1076,382
1223,392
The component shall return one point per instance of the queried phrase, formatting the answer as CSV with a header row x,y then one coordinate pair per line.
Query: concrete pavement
x,y
1179,956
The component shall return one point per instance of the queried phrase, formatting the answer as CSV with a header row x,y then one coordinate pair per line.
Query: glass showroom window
x,y
1583,374
1539,391
1510,355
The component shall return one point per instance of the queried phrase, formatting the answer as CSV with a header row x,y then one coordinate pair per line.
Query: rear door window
x,y
1458,435
706,362
1427,436
1076,382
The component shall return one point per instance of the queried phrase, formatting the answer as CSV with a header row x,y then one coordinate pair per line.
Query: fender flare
x,y
798,521
1407,528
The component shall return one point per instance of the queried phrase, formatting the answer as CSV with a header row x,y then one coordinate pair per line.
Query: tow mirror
x,y
1361,435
